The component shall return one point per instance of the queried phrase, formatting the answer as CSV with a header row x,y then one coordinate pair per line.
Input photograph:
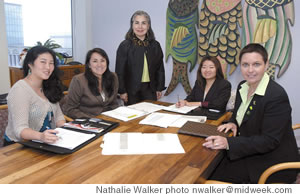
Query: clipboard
x,y
200,129
62,150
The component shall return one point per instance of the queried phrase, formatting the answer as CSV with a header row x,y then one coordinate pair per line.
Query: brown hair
x,y
254,48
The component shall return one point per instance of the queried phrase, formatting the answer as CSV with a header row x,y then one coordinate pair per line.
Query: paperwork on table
x,y
141,143
147,107
170,120
182,110
124,113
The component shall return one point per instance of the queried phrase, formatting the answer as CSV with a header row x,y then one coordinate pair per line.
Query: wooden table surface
x,y
20,164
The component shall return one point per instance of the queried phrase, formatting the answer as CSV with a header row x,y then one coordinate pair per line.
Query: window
x,y
30,21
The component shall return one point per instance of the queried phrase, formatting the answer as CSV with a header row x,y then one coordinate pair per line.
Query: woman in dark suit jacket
x,y
139,62
261,124
211,91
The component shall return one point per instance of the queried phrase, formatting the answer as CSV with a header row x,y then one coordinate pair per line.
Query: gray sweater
x,y
26,109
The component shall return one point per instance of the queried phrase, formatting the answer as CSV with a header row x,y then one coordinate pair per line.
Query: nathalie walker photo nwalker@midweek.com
x,y
176,189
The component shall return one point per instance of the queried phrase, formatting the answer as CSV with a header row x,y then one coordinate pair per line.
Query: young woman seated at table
x,y
261,124
211,91
33,107
95,90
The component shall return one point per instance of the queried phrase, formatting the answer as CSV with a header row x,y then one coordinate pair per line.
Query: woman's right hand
x,y
124,97
181,103
228,126
49,136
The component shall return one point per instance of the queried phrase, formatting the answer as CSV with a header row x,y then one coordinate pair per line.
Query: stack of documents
x,y
170,120
147,107
141,143
185,118
160,119
124,113
183,110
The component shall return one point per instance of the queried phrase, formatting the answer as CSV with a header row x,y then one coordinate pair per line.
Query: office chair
x,y
277,167
62,102
3,122
271,170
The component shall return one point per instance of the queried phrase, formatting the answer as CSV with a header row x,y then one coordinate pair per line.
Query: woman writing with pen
x,y
33,108
211,91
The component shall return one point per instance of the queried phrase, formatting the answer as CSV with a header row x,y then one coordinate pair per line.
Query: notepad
x,y
70,139
200,129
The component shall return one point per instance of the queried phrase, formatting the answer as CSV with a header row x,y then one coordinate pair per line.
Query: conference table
x,y
20,164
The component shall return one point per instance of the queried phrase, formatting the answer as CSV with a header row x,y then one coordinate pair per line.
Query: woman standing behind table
x,y
95,90
33,108
261,124
139,62
211,91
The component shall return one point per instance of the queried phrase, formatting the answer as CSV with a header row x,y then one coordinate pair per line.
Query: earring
x,y
29,71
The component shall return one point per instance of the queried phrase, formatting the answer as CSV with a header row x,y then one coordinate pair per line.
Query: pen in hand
x,y
59,137
178,102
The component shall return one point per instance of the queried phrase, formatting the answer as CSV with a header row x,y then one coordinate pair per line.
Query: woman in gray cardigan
x,y
95,90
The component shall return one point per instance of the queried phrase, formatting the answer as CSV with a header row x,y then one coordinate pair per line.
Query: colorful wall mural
x,y
221,28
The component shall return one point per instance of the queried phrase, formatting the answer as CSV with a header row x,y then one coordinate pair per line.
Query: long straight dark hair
x,y
107,77
52,87
219,74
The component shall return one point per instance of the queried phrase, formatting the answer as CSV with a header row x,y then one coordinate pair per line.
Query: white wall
x,y
4,71
81,28
110,22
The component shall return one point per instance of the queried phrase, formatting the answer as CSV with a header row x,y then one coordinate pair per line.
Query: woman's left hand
x,y
158,95
216,142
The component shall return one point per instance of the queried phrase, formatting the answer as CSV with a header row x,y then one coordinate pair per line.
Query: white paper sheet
x,y
70,139
124,113
141,143
160,119
184,118
183,110
147,107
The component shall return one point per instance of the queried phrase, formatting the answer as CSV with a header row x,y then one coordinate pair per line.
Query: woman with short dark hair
x,y
261,124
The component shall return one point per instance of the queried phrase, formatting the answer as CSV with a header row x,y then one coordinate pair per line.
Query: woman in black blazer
x,y
211,91
139,62
261,125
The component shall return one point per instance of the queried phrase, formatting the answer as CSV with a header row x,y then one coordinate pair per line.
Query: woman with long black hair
x,y
33,102
95,90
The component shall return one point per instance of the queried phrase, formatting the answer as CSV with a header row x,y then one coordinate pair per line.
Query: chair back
x,y
3,122
296,128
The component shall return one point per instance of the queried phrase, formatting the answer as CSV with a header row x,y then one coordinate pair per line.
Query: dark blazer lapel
x,y
211,90
254,104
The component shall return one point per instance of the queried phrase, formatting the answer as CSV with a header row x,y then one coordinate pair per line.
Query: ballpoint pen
x,y
47,127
